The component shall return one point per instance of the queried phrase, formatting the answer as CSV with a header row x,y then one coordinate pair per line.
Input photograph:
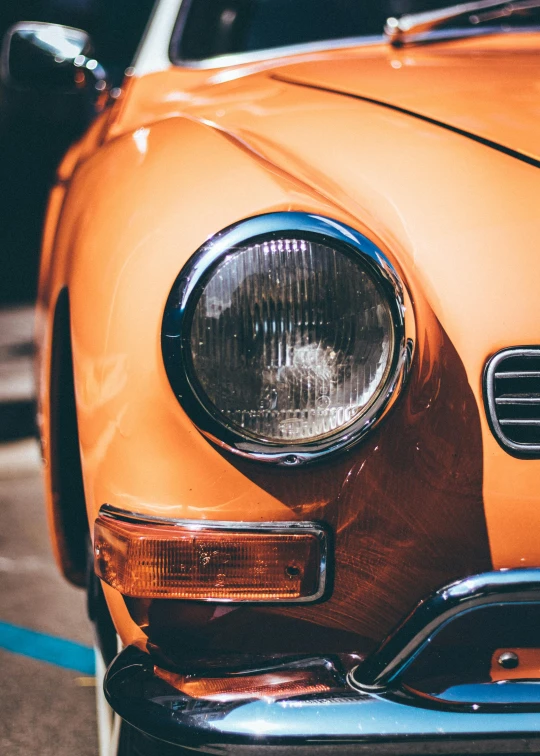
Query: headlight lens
x,y
284,336
291,339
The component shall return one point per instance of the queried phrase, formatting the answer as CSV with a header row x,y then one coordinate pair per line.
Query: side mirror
x,y
49,58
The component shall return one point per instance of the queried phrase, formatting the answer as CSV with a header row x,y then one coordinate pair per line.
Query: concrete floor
x,y
45,710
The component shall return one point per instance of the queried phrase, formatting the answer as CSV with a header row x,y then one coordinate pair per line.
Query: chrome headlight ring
x,y
185,295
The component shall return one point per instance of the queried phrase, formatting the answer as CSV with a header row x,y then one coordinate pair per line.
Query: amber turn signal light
x,y
210,561
280,684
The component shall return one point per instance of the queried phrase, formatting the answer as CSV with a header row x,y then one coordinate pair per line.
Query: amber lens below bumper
x,y
210,561
280,684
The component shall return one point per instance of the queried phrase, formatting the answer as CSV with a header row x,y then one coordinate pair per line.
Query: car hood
x,y
489,88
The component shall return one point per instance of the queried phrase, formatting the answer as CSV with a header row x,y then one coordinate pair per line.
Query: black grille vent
x,y
512,394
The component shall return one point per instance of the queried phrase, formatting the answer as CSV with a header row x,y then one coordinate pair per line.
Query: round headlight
x,y
284,337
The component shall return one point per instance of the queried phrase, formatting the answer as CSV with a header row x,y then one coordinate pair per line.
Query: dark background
x,y
32,140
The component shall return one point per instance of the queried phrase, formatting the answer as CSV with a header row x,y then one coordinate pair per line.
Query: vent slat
x,y
513,399
519,374
510,421
517,400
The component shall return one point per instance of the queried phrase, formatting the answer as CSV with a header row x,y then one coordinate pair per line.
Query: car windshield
x,y
209,28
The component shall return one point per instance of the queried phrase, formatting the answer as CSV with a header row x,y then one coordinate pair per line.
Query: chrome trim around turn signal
x,y
194,553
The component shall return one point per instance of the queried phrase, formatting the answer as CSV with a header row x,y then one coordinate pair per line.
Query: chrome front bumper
x,y
352,710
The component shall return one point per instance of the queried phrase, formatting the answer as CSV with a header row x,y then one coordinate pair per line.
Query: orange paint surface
x,y
187,153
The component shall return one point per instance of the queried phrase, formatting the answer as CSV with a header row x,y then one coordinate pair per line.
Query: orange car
x,y
289,372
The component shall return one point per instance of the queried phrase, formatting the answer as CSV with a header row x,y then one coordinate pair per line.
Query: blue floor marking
x,y
47,648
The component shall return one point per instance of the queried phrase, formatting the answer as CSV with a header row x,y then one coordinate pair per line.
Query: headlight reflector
x,y
291,339
284,336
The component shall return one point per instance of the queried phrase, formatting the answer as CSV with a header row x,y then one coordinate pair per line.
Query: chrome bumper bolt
x,y
508,660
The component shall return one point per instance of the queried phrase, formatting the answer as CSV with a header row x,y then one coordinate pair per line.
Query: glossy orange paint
x,y
185,154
